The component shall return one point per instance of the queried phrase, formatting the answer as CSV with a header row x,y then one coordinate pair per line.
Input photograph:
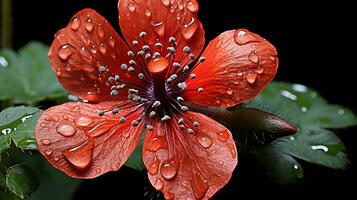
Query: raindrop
x,y
223,136
253,58
158,27
229,91
100,31
288,95
48,152
6,131
80,156
320,147
232,150
46,142
147,13
341,111
169,168
165,2
132,7
65,117
169,195
158,142
3,62
251,77
189,29
89,25
98,129
64,52
221,163
98,170
159,184
259,70
102,48
76,22
299,88
199,186
66,130
83,121
93,48
154,166
242,37
111,41
303,109
192,6
292,138
205,141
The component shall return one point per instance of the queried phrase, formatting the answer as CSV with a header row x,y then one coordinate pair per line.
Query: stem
x,y
6,25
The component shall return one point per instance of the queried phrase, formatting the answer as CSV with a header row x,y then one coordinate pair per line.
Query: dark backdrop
x,y
313,44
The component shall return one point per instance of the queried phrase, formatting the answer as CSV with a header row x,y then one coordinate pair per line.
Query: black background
x,y
315,43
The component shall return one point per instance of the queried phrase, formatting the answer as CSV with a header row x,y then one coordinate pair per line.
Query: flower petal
x,y
239,64
189,166
82,144
86,53
162,19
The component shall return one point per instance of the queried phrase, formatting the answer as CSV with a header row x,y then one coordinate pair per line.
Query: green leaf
x,y
135,160
2,179
8,195
281,167
26,76
21,180
17,124
312,114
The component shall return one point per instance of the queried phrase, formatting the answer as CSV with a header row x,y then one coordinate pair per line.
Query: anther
x,y
152,113
158,45
135,42
134,123
180,121
133,91
147,56
156,104
176,65
124,67
165,118
192,56
182,85
172,39
131,53
143,100
122,86
131,69
149,127
185,69
115,111
110,79
102,69
132,62
200,89
117,78
169,80
182,127
196,124
101,113
142,34
113,93
202,59
171,49
179,99
141,76
173,76
140,53
184,108
156,55
190,131
122,120
192,76
146,48
187,49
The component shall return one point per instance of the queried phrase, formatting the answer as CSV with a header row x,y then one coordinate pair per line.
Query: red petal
x,y
82,144
162,19
87,45
189,166
239,64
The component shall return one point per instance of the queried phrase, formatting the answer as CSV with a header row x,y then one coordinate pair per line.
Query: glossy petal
x,y
82,144
162,19
189,166
239,64
86,53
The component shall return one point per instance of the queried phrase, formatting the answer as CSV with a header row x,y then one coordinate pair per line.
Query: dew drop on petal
x,y
253,58
158,28
76,22
147,13
89,25
132,7
241,37
64,52
169,195
192,6
232,150
66,130
251,77
83,121
98,170
169,168
158,142
103,48
81,155
199,186
223,136
189,29
111,41
154,166
229,91
259,70
100,31
204,141
159,184
98,129
48,152
46,141
165,2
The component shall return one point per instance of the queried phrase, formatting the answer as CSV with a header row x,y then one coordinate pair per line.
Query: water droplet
x,y
158,27
93,48
204,141
99,129
192,6
159,184
221,163
76,22
242,37
199,186
341,111
98,170
89,25
154,166
66,130
169,195
64,52
65,117
288,95
297,171
165,2
259,70
80,156
223,136
292,138
100,31
56,159
103,48
46,142
147,13
271,57
48,152
299,88
111,41
189,29
320,147
232,150
158,142
303,109
132,7
251,77
85,54
83,121
3,61
253,58
229,91
169,168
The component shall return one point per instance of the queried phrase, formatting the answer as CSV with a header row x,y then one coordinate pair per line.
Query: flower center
x,y
158,68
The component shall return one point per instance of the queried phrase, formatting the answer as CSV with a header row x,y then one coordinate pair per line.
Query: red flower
x,y
144,82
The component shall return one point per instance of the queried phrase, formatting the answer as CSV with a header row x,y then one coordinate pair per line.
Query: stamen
x,y
182,85
176,65
122,120
110,79
190,131
184,108
115,111
141,76
124,67
142,34
149,127
196,124
135,42
200,89
179,99
146,48
101,113
202,59
165,118
113,93
185,69
158,45
140,53
117,78
131,69
171,49
102,69
130,53
132,62
187,49
156,55
180,121
156,104
147,56
192,56
192,76
152,114
133,91
172,39
134,123
173,76
182,127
